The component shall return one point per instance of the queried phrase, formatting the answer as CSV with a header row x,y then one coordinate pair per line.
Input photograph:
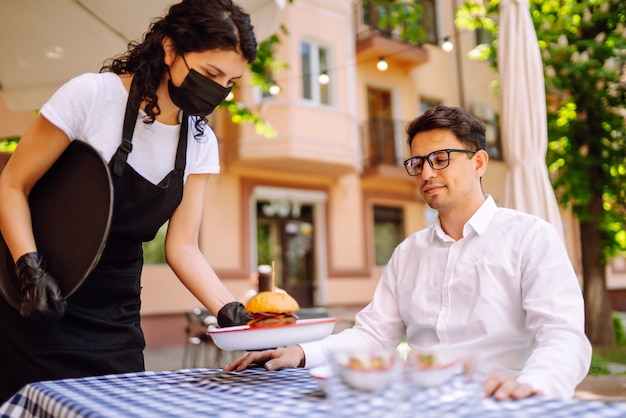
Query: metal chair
x,y
200,350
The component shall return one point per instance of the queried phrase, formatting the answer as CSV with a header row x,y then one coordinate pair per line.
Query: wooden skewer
x,y
273,277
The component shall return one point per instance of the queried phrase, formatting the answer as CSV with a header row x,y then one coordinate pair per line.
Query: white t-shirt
x,y
91,107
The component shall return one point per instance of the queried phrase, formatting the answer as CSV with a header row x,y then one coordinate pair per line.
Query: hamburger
x,y
271,308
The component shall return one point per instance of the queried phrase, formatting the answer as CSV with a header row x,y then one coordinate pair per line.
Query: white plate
x,y
260,338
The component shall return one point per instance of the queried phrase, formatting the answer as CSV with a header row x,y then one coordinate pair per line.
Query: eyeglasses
x,y
438,160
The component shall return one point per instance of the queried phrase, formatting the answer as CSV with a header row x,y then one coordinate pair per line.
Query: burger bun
x,y
272,302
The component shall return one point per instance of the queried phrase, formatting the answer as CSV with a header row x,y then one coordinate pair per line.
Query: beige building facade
x,y
337,153
327,198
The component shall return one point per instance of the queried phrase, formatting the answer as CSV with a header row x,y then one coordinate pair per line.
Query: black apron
x,y
100,332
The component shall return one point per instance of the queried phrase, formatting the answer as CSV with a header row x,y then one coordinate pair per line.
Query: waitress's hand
x,y
232,314
41,296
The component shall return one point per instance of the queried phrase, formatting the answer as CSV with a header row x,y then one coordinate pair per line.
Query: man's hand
x,y
279,358
503,388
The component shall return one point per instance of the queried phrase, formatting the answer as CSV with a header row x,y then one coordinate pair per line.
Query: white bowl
x,y
369,372
249,338
321,375
433,367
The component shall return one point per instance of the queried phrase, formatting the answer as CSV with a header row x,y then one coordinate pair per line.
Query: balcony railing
x,y
367,14
373,41
382,142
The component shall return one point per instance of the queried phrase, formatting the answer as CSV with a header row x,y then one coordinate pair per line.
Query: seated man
x,y
492,279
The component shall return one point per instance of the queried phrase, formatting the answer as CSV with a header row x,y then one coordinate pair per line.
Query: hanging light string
x,y
382,64
447,44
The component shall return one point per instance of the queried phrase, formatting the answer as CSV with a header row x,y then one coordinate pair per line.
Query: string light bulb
x,y
274,89
382,64
323,78
447,45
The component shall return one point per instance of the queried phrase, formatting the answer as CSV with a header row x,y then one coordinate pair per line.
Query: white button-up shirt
x,y
506,291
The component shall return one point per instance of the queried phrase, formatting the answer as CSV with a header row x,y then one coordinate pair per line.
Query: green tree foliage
x,y
583,46
599,366
263,70
8,144
154,251
586,80
396,14
620,337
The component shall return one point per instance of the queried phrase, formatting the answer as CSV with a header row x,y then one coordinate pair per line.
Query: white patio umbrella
x,y
44,43
524,124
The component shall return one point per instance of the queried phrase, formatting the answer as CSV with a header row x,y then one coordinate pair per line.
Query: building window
x,y
483,36
493,135
315,62
428,103
492,123
388,232
429,21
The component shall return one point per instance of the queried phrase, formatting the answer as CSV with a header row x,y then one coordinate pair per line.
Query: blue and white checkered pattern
x,y
257,392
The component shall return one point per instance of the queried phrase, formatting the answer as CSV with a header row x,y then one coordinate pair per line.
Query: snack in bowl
x,y
369,372
271,308
431,367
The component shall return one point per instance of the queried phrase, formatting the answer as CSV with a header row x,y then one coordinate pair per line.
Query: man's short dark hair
x,y
469,129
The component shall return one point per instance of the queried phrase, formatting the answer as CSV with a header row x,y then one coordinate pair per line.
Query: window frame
x,y
431,35
427,102
400,231
320,94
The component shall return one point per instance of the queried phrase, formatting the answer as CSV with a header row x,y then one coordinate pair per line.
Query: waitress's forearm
x,y
194,271
15,221
39,148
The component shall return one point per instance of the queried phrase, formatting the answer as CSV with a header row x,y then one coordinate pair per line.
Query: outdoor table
x,y
256,392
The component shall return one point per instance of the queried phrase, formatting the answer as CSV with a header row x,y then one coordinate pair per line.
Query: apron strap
x,y
181,151
130,119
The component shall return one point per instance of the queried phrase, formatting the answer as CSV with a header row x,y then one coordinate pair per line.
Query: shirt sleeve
x,y
377,326
562,353
69,106
202,154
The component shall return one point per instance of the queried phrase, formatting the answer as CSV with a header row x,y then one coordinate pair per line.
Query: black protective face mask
x,y
197,95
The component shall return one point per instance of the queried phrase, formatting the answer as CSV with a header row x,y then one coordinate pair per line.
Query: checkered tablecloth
x,y
257,392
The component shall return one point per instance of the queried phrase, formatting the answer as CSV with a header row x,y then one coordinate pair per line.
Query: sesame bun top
x,y
274,302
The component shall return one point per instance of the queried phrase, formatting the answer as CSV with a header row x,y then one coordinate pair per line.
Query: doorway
x,y
382,143
285,237
288,227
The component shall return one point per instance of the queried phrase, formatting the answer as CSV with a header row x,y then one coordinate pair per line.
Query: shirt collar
x,y
478,222
483,216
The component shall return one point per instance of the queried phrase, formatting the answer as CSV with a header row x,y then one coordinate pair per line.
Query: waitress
x,y
145,112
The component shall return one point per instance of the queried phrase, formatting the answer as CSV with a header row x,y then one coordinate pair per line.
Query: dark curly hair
x,y
193,26
466,127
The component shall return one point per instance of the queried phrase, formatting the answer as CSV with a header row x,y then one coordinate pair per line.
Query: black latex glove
x,y
41,296
232,314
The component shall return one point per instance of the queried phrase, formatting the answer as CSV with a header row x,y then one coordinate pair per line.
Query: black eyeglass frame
x,y
430,162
